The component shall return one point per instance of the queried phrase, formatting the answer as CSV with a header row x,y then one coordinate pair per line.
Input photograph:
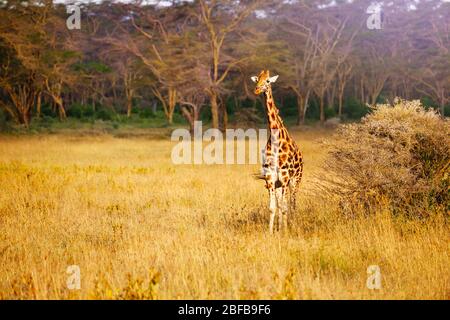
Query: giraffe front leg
x,y
281,206
285,210
279,195
273,209
282,200
294,198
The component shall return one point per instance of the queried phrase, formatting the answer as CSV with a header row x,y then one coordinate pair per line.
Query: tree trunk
x,y
191,114
214,109
25,118
373,98
172,104
341,101
23,99
129,105
322,110
442,107
61,110
300,111
189,118
39,104
363,98
224,112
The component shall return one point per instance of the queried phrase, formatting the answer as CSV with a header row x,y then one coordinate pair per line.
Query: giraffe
x,y
282,160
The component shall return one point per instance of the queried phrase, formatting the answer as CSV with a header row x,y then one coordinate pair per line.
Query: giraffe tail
x,y
258,176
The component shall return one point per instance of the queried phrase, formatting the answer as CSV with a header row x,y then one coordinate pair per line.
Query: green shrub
x,y
75,111
289,107
146,113
88,111
80,111
46,110
330,113
398,155
43,122
355,109
105,114
313,111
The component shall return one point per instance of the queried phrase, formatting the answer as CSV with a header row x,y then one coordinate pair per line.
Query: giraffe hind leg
x,y
285,208
293,189
273,209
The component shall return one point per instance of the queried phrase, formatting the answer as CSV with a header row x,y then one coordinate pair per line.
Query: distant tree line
x,y
196,57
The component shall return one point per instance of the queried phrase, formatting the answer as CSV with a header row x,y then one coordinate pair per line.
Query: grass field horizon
x,y
140,227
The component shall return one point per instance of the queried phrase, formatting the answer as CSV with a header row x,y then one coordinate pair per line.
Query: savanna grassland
x,y
139,226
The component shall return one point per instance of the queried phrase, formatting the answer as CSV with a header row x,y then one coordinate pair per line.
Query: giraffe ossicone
x,y
282,162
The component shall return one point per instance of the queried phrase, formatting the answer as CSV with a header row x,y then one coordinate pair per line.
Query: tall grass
x,y
140,227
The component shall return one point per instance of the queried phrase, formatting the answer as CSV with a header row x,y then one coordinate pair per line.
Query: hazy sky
x,y
168,3
161,3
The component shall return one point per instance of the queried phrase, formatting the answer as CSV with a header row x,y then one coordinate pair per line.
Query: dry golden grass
x,y
140,227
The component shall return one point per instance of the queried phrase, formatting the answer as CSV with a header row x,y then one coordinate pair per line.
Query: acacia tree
x,y
18,86
158,37
196,52
127,72
430,46
327,61
343,74
40,41
220,19
320,40
297,30
192,97
20,77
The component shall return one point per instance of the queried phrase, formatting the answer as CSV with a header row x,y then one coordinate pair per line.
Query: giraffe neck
x,y
273,118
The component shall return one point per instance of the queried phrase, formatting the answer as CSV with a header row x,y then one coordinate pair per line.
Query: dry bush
x,y
398,155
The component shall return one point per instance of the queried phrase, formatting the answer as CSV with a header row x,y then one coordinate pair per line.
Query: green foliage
x,y
313,111
330,113
147,113
354,109
92,67
54,56
205,114
428,103
231,106
43,122
105,114
289,107
80,111
46,110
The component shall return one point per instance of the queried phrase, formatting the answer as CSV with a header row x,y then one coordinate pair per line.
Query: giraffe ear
x,y
254,78
273,79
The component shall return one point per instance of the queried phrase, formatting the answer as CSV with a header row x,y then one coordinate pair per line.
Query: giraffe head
x,y
263,81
